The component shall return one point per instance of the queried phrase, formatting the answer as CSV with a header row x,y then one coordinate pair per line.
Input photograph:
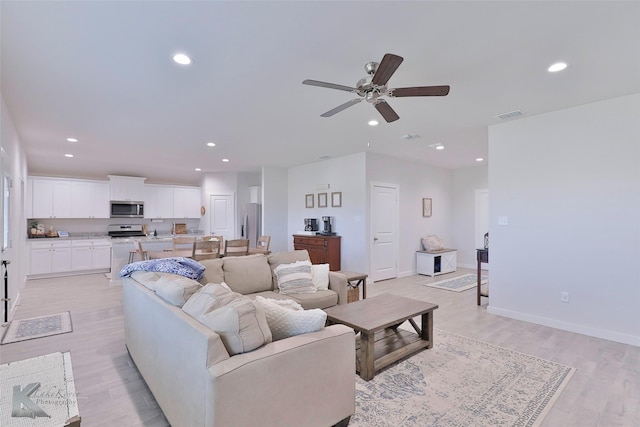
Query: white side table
x,y
433,263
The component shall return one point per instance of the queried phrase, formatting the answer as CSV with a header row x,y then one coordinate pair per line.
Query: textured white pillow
x,y
287,318
320,276
432,243
295,278
175,289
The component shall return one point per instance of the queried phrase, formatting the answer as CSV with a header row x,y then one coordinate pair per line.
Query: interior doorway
x,y
223,215
482,217
384,231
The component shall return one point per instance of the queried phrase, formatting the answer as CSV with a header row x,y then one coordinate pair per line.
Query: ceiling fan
x,y
374,86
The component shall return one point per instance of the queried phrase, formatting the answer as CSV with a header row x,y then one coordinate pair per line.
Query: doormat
x,y
459,283
38,327
39,392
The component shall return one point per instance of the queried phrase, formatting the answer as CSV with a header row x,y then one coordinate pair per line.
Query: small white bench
x,y
433,263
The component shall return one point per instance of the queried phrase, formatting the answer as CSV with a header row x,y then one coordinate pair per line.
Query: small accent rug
x,y
39,392
461,382
38,327
459,283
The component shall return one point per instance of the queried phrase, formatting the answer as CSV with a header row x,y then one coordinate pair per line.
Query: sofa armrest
x,y
308,377
338,282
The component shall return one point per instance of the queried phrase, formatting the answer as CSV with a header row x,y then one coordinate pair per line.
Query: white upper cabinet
x,y
90,199
127,188
186,202
158,202
50,198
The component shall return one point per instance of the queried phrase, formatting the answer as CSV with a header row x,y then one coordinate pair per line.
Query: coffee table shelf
x,y
381,341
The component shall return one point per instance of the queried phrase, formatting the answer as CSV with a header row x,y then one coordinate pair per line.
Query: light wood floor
x,y
605,390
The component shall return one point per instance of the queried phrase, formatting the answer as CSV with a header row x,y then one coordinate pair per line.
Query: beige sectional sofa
x,y
303,380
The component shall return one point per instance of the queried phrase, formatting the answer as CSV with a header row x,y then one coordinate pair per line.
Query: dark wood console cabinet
x,y
322,249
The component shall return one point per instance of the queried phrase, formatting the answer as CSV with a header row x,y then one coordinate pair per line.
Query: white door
x,y
482,217
384,231
223,215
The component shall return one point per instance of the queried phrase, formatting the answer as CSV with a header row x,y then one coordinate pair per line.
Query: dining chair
x,y
215,237
206,249
262,246
137,250
180,247
236,247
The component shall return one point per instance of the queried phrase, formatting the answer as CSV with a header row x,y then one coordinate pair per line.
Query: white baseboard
x,y
566,326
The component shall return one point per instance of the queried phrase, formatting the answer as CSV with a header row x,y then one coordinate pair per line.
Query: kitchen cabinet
x,y
90,254
158,202
186,202
322,249
50,257
165,201
126,188
50,198
90,199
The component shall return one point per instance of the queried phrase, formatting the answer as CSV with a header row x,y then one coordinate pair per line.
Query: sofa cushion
x,y
240,322
295,278
278,258
211,297
175,289
320,276
320,299
213,272
147,278
247,274
287,318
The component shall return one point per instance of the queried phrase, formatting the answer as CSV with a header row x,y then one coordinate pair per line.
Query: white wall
x,y
13,162
345,174
464,184
274,207
569,183
416,181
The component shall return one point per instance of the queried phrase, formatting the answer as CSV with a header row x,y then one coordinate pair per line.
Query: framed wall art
x,y
426,207
322,200
308,200
336,199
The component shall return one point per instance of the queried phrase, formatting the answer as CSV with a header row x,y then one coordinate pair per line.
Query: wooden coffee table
x,y
381,341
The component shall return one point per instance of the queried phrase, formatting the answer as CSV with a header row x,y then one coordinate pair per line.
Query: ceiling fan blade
x,y
387,67
328,85
386,111
341,107
420,91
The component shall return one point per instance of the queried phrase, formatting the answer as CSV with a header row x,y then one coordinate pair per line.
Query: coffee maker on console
x,y
327,228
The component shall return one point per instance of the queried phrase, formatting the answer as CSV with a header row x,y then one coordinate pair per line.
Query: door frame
x,y
396,226
478,241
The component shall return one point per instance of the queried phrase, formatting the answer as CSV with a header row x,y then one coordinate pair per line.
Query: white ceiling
x,y
102,72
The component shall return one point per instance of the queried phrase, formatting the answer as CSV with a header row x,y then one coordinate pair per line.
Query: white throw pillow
x,y
287,318
432,243
295,278
175,289
239,321
320,276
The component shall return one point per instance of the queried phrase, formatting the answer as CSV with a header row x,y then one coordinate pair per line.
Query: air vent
x,y
510,115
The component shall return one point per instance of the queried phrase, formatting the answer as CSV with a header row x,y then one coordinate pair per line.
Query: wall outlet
x,y
564,296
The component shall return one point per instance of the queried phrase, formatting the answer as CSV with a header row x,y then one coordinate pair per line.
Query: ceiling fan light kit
x,y
372,87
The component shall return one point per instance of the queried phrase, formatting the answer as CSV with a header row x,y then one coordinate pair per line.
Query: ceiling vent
x,y
510,115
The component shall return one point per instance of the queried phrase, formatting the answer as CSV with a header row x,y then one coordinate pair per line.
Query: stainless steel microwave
x,y
127,209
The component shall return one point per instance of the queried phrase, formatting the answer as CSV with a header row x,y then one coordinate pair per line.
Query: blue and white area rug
x,y
38,327
459,283
461,382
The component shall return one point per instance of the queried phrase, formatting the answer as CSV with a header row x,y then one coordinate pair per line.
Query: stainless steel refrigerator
x,y
251,227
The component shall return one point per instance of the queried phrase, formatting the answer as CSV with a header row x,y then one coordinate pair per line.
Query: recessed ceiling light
x,y
72,139
225,160
373,123
440,147
479,159
68,155
182,59
198,170
558,66
211,144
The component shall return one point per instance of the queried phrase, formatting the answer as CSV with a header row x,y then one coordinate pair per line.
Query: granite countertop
x,y
105,236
